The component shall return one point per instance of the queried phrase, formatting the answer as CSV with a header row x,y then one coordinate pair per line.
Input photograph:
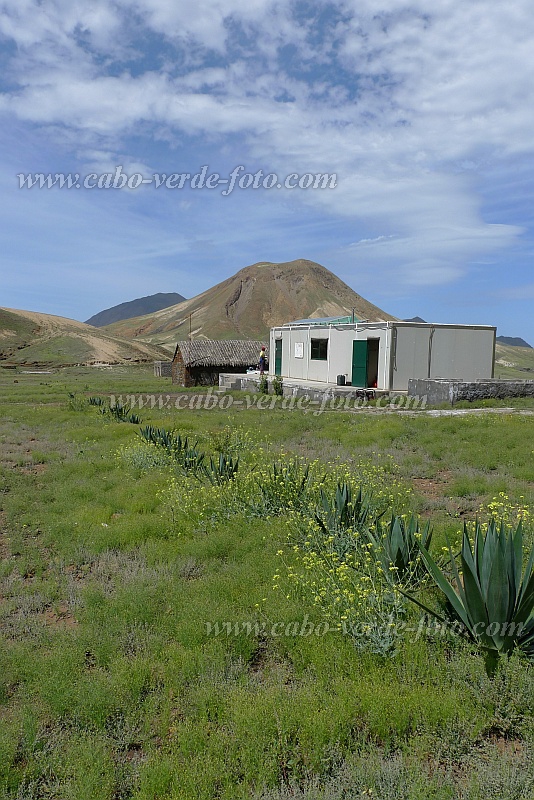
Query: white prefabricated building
x,y
381,355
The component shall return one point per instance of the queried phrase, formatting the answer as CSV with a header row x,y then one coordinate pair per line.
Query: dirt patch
x,y
433,488
434,492
259,658
266,666
511,747
59,618
35,469
5,549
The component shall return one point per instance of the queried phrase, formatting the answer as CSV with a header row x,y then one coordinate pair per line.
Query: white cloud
x,y
401,101
204,22
365,242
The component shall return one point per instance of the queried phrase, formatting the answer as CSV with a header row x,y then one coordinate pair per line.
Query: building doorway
x,y
278,357
365,363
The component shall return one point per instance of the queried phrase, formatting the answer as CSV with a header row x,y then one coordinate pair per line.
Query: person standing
x,y
262,360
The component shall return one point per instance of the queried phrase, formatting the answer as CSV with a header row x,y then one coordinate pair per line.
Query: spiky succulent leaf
x,y
525,598
494,599
447,590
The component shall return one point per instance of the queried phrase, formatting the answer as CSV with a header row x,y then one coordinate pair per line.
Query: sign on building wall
x,y
299,349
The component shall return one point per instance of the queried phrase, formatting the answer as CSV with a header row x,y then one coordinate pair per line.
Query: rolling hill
x,y
514,362
249,303
135,308
513,341
29,338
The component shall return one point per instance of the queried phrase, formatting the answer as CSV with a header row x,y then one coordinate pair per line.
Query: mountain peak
x,y
135,308
249,303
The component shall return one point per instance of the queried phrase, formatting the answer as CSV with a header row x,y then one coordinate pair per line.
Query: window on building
x,y
319,349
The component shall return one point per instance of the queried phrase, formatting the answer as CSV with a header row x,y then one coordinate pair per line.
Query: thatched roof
x,y
223,353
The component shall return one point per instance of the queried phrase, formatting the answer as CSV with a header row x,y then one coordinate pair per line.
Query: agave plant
x,y
222,470
192,461
397,548
343,510
174,445
122,413
343,514
186,455
493,599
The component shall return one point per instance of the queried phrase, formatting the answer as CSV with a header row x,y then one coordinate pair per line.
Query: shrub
x,y
141,456
349,589
231,440
285,487
278,386
75,402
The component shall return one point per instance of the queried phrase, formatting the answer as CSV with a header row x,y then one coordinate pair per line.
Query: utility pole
x,y
190,336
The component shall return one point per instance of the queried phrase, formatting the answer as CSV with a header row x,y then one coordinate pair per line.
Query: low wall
x,y
250,383
162,369
244,384
443,391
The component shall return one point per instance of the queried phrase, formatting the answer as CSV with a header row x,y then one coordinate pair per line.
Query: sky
x,y
423,112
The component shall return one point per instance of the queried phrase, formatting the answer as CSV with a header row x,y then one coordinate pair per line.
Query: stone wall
x,y
443,391
162,369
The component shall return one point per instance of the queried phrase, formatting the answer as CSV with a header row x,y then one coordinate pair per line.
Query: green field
x,y
158,638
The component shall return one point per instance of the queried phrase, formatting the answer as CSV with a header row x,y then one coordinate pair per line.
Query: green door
x,y
359,364
277,356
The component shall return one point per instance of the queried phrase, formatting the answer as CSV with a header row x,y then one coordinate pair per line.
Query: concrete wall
x,y
298,339
442,391
339,360
447,352
462,353
408,355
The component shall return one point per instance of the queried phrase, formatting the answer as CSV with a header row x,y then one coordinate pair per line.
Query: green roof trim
x,y
325,321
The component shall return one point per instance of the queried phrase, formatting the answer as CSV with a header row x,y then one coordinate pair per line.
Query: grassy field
x,y
157,639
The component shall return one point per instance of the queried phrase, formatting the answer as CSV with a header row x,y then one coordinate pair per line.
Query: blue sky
x,y
425,112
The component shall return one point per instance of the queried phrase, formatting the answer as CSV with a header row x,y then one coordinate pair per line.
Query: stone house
x,y
199,362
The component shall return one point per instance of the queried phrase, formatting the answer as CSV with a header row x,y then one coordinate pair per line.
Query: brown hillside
x,y
31,338
249,303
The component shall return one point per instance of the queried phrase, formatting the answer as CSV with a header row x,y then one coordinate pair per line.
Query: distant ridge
x,y
414,319
513,341
135,308
249,303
